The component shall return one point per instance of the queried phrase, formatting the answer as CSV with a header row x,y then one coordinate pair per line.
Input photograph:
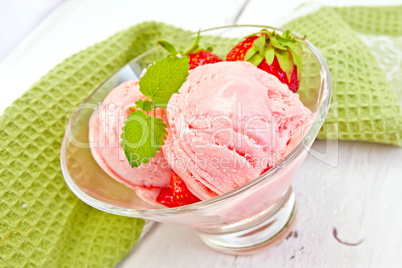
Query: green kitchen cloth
x,y
364,106
42,223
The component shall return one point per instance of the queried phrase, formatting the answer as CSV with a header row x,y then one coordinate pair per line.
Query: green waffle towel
x,y
364,106
42,224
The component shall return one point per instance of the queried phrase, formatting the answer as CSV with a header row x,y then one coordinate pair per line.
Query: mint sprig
x,y
145,105
164,78
143,135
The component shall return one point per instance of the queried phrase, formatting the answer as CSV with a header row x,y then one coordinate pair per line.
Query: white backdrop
x,y
18,18
361,194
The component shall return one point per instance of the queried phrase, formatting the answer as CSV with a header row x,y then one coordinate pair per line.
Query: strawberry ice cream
x,y
229,123
105,128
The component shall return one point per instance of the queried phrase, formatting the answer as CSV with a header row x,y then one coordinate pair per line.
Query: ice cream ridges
x,y
105,139
229,123
235,120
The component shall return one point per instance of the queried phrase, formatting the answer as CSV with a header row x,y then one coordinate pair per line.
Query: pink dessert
x,y
229,123
236,122
105,128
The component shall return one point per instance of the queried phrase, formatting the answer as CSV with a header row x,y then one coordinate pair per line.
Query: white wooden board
x,y
355,187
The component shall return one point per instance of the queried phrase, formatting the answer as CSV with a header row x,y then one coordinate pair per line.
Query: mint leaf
x,y
142,137
145,105
164,78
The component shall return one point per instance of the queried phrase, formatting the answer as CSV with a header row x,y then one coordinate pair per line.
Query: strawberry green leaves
x,y
285,62
256,53
259,43
143,135
269,55
169,47
285,48
256,59
250,53
277,53
172,50
276,44
164,78
288,51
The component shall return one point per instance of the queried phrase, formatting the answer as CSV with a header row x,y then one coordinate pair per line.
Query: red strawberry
x,y
181,192
279,55
166,198
202,57
177,194
197,56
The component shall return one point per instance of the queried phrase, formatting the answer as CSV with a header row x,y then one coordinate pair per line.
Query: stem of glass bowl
x,y
247,237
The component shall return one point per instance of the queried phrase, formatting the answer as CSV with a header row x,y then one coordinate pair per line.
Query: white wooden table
x,y
349,198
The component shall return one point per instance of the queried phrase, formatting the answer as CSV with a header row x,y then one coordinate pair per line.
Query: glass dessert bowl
x,y
251,217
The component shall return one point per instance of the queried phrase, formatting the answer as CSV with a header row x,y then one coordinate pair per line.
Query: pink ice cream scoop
x,y
105,128
229,123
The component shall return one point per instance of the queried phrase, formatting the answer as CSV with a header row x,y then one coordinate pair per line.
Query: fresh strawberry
x,y
177,194
202,57
279,55
181,192
197,55
166,198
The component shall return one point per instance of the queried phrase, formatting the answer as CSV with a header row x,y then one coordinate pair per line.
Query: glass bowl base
x,y
266,231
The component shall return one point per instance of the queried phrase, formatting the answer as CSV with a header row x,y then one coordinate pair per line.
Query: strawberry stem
x,y
194,46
